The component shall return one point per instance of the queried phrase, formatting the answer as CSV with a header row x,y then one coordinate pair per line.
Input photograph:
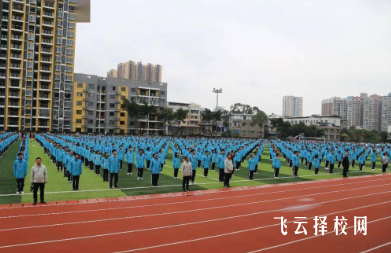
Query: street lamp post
x,y
217,91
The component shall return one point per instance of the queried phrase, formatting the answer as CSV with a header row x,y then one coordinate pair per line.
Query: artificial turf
x,y
92,186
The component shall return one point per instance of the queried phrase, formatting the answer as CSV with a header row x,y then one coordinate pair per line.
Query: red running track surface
x,y
240,220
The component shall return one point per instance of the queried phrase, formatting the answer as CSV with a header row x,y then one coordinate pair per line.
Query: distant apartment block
x,y
97,105
136,71
112,73
292,106
192,123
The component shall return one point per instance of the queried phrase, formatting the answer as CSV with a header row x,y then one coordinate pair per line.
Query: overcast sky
x,y
257,51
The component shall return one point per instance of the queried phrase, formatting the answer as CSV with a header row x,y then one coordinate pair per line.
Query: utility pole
x,y
217,91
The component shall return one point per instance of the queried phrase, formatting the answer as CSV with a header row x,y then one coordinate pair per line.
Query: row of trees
x,y
286,129
360,135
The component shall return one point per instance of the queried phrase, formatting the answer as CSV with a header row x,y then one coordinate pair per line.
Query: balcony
x,y
2,95
48,5
4,37
47,32
13,104
15,66
14,94
47,23
4,27
3,56
44,87
47,42
18,9
16,37
16,47
2,75
17,18
46,59
3,65
14,76
46,51
47,14
44,69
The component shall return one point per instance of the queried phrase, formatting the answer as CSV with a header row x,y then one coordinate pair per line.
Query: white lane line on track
x,y
201,222
185,202
376,248
292,208
235,189
179,185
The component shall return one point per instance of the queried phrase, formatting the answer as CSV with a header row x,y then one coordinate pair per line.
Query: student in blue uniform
x,y
105,167
155,168
98,162
130,160
206,163
276,165
140,164
214,159
176,163
220,165
114,168
331,161
20,173
316,164
121,155
59,158
295,163
76,172
373,159
251,167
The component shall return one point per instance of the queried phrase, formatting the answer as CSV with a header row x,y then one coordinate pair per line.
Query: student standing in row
x,y
176,163
186,174
345,164
98,159
140,164
20,173
155,168
251,167
130,160
77,170
194,163
316,164
206,163
105,167
276,163
220,165
114,169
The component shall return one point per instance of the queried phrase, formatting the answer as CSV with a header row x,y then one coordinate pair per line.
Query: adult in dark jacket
x,y
345,164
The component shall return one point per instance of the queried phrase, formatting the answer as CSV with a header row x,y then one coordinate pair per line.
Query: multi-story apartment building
x,y
242,125
292,106
385,113
372,109
136,71
112,73
354,111
335,106
97,105
37,48
192,123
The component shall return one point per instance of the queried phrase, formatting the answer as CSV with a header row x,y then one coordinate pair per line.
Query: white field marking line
x,y
315,236
194,223
234,189
377,247
190,211
183,202
207,183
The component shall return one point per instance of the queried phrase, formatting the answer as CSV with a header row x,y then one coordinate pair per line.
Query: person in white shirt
x,y
39,177
228,170
186,173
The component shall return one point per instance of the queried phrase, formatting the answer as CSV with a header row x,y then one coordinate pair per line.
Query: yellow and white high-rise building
x,y
37,49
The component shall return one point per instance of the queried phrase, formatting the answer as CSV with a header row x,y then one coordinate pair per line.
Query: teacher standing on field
x,y
228,170
39,177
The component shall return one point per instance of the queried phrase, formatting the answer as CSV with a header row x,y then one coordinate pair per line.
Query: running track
x,y
239,220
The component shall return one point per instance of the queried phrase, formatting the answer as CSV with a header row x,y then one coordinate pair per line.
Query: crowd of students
x,y
6,141
107,155
333,154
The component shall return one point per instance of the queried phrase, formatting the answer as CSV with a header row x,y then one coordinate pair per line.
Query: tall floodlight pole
x,y
217,91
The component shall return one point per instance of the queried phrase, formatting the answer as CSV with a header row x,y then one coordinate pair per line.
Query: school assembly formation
x,y
107,155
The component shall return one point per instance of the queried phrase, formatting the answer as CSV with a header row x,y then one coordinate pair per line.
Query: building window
x,y
111,122
112,114
79,103
162,93
133,90
112,96
122,123
113,88
79,85
123,88
122,114
78,121
90,113
91,86
79,112
90,103
79,94
112,105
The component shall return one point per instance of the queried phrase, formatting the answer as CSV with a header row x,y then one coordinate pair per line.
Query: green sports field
x,y
92,186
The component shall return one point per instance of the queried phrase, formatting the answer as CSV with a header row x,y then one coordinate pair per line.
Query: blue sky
x,y
257,51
